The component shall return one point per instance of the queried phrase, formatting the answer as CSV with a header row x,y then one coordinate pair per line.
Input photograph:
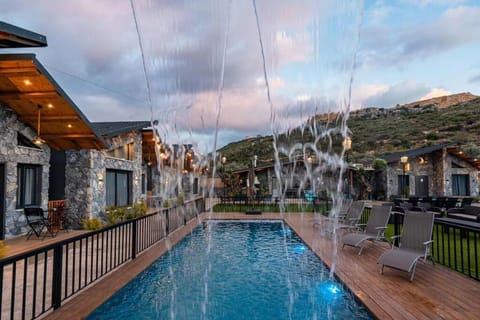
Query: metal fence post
x,y
167,221
134,239
57,277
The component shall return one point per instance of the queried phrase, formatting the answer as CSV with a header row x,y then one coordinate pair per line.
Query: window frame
x,y
403,181
116,172
36,186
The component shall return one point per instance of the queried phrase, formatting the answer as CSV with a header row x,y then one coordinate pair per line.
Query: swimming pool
x,y
235,270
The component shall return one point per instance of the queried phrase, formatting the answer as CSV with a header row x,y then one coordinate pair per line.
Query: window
x,y
123,152
29,188
118,188
460,186
403,184
25,142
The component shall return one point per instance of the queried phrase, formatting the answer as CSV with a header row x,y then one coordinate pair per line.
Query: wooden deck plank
x,y
436,292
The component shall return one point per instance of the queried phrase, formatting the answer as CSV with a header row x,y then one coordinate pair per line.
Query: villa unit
x,y
439,170
50,151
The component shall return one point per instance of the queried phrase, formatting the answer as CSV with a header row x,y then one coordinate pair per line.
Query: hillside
x,y
377,131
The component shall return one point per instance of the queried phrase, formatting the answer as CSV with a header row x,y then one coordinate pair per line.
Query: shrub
x,y
140,208
112,215
180,199
118,214
379,164
92,224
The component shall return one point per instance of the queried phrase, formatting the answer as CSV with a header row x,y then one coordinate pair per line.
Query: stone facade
x,y
439,170
85,177
11,155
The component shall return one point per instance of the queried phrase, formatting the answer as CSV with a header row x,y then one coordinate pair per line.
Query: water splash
x,y
208,61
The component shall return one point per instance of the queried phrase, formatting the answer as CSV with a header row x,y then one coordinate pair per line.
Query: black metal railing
x,y
35,282
457,246
456,243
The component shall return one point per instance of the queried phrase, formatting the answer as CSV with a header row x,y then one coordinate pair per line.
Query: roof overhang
x,y
460,154
25,84
15,37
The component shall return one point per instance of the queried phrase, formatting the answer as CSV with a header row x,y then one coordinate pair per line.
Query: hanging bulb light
x,y
38,140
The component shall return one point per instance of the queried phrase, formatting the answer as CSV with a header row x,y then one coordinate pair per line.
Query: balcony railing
x,y
456,243
35,282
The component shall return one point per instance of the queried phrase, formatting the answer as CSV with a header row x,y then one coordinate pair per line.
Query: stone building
x,y
439,170
36,118
49,150
94,179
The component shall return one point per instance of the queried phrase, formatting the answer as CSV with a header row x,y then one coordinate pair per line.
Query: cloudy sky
x,y
202,56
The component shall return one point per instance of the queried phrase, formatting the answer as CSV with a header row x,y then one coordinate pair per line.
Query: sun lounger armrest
x,y
393,238
426,243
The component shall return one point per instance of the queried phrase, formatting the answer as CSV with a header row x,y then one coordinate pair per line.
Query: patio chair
x,y
414,244
37,222
352,217
374,229
348,215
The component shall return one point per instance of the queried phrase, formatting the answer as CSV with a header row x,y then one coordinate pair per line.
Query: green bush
x,y
166,203
119,214
92,224
112,215
379,164
180,199
140,208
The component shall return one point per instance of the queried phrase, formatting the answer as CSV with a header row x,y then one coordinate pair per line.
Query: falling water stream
x,y
216,68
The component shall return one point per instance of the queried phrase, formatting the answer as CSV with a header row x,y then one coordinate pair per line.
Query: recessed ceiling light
x,y
69,125
27,82
50,106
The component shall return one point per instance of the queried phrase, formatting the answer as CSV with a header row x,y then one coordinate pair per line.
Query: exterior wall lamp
x,y
404,162
100,181
347,145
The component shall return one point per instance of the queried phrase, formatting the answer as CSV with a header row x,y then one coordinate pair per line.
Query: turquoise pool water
x,y
235,270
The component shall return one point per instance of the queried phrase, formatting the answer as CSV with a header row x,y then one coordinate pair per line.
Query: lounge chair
x,y
351,219
347,217
414,243
37,222
374,229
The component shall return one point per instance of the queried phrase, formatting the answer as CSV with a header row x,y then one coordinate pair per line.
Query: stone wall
x,y
85,177
11,155
467,170
438,168
82,184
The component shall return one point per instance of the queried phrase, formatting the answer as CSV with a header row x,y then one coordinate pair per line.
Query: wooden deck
x,y
436,293
21,244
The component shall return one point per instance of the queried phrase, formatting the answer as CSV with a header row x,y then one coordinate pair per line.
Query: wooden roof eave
x,y
18,100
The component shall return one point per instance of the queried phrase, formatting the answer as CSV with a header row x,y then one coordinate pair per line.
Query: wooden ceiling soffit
x,y
42,89
29,95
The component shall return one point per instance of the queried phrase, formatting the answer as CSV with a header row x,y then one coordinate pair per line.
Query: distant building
x,y
439,170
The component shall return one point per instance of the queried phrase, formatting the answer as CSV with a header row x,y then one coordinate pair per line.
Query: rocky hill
x,y
444,101
376,131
